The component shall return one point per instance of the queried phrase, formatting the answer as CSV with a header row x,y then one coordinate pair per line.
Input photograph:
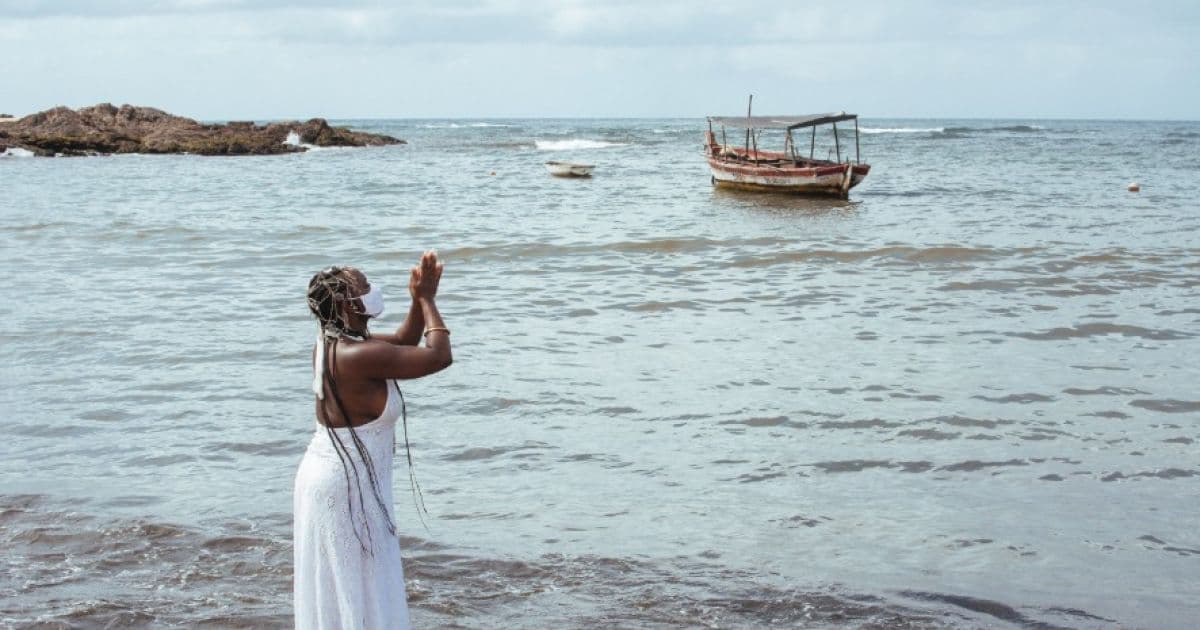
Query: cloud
x,y
665,23
237,58
38,9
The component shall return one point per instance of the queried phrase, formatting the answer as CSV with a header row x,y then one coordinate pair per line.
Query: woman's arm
x,y
409,332
386,360
437,336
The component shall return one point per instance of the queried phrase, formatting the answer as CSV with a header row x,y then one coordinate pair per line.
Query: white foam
x,y
17,152
902,129
293,139
458,126
574,144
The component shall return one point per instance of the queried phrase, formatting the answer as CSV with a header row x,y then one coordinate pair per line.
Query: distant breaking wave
x,y
16,152
1008,128
902,130
574,143
954,130
463,125
293,139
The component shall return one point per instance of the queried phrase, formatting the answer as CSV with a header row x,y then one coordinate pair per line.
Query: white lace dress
x,y
338,583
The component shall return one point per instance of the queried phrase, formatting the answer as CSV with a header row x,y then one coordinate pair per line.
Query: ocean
x,y
964,398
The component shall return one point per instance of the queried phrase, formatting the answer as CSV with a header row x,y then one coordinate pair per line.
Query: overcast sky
x,y
237,59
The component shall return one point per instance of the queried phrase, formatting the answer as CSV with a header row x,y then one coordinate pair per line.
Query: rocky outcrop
x,y
104,129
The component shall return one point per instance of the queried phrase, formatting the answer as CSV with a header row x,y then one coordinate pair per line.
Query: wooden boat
x,y
749,168
569,169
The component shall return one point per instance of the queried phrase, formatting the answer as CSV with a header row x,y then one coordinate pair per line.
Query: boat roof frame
x,y
791,122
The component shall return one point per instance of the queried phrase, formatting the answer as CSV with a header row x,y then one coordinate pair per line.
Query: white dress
x,y
340,581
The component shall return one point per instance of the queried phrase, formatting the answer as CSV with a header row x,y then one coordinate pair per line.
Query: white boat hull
x,y
569,169
819,180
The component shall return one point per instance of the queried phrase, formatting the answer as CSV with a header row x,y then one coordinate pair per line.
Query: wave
x,y
953,132
574,144
902,129
1102,329
80,569
16,152
505,144
525,251
462,125
1000,129
293,139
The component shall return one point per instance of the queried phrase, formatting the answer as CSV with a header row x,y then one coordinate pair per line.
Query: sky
x,y
271,59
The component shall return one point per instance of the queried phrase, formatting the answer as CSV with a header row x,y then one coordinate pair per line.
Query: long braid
x,y
418,496
343,456
326,289
362,452
368,463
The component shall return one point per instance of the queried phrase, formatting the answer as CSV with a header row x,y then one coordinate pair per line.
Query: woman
x,y
347,553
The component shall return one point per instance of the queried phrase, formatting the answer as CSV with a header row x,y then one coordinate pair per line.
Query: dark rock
x,y
318,132
104,129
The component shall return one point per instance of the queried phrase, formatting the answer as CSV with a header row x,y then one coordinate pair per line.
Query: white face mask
x,y
372,301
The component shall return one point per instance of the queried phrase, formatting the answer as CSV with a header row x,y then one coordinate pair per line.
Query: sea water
x,y
965,397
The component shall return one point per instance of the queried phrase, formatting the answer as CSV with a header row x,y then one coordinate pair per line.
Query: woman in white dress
x,y
347,552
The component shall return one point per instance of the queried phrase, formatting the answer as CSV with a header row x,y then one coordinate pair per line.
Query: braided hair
x,y
328,291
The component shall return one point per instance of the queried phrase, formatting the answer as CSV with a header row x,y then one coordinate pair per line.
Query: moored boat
x,y
569,169
750,168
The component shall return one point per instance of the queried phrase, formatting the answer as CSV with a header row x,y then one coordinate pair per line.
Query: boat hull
x,y
568,169
824,180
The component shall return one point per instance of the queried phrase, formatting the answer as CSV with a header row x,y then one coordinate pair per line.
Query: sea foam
x,y
293,139
574,143
462,126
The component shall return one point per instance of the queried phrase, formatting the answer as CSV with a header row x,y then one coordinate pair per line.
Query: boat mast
x,y
857,155
748,108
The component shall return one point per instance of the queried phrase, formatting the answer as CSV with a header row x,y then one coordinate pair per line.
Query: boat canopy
x,y
781,122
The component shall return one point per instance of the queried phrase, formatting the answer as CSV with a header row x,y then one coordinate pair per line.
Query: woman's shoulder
x,y
353,354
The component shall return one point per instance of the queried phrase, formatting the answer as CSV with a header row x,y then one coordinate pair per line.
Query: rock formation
x,y
104,129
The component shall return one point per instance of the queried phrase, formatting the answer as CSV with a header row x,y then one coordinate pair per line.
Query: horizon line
x,y
637,117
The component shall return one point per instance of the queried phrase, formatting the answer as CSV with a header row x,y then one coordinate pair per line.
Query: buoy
x,y
1133,187
492,173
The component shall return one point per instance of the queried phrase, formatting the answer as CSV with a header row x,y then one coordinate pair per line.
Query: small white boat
x,y
569,169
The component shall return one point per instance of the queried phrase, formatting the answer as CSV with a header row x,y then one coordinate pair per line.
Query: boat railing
x,y
774,159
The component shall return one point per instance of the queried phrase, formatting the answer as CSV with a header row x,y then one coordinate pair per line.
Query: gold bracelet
x,y
436,329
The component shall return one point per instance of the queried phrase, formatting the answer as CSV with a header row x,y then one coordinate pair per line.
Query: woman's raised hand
x,y
424,279
414,280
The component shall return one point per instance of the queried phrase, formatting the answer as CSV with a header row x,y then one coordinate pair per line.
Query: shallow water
x,y
966,397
